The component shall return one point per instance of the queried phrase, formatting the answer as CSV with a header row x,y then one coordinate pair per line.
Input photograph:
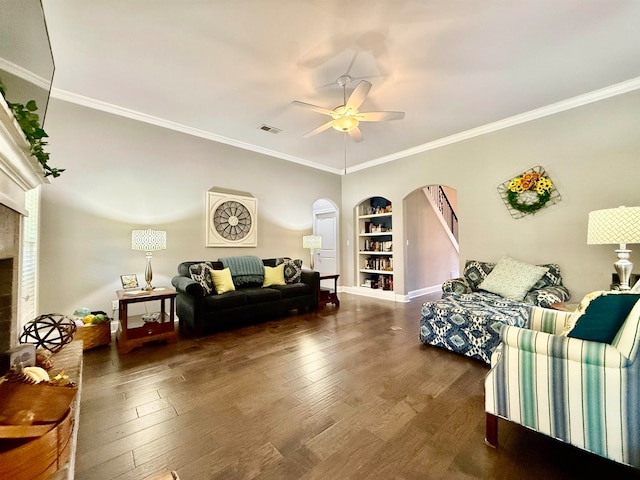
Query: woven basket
x,y
94,335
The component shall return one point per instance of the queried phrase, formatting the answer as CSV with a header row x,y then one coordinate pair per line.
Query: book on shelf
x,y
377,246
379,263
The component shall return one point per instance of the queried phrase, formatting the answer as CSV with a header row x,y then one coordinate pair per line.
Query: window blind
x,y
28,304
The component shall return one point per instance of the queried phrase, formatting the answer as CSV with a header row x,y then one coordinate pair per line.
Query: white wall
x,y
430,255
592,153
122,174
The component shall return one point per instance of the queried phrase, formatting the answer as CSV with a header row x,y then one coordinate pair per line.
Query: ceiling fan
x,y
347,117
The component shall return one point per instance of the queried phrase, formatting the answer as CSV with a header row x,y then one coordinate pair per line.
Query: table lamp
x,y
312,242
148,241
616,226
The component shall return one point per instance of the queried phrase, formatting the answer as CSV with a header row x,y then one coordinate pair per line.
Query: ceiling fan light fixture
x,y
345,123
346,118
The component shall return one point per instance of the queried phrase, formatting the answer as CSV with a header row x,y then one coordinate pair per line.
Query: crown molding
x,y
564,105
24,74
71,97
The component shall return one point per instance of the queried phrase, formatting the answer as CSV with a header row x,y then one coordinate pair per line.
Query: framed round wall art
x,y
231,219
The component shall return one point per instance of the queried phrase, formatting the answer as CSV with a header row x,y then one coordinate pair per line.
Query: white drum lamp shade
x,y
616,226
148,241
312,242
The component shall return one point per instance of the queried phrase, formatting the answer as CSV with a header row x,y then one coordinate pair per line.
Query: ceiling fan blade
x,y
379,116
319,129
355,134
315,108
359,94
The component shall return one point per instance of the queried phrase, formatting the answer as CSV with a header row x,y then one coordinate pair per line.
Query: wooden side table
x,y
326,295
133,331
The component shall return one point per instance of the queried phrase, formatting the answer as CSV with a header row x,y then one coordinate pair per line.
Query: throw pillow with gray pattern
x,y
475,272
292,269
201,273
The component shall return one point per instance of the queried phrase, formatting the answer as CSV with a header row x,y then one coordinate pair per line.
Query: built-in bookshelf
x,y
375,245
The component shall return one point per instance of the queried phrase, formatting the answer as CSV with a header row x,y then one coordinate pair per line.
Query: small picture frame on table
x,y
129,281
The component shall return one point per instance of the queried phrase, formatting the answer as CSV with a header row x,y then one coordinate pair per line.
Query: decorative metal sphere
x,y
51,331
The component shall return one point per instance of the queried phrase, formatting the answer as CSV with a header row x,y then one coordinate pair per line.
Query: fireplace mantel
x,y
19,170
19,173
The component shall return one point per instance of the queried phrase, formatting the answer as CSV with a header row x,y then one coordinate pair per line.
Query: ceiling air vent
x,y
269,129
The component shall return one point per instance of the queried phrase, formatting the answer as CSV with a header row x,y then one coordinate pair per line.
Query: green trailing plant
x,y
29,122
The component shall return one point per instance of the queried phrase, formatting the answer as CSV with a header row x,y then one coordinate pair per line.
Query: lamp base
x,y
148,274
623,268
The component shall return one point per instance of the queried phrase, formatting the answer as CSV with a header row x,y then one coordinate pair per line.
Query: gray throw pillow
x,y
201,273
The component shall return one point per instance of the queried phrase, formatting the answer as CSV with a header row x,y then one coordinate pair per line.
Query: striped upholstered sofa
x,y
582,392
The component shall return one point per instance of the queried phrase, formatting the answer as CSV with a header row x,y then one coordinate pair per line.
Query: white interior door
x,y
326,258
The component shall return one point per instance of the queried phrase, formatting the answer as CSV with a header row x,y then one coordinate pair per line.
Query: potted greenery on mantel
x,y
29,122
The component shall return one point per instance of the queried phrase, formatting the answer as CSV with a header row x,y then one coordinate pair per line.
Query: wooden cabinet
x,y
375,245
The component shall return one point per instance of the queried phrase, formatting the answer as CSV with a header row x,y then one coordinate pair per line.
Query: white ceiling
x,y
221,68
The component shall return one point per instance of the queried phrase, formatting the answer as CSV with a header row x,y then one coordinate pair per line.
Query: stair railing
x,y
440,199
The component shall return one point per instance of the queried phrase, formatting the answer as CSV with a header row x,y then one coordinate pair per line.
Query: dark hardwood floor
x,y
347,393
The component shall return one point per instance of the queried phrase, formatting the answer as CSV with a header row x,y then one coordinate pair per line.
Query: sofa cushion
x,y
273,276
470,323
222,281
512,279
261,295
233,299
603,316
292,290
200,272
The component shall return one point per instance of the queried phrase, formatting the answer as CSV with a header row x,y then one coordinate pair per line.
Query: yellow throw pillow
x,y
274,276
222,281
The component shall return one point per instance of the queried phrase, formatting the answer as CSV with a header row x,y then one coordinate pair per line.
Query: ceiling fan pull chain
x,y
345,153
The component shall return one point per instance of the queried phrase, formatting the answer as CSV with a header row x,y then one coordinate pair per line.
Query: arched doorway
x,y
430,229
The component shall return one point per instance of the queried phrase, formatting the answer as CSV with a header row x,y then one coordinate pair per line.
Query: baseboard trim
x,y
376,293
424,291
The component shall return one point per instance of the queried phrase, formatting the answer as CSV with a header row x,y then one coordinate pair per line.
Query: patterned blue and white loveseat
x,y
467,320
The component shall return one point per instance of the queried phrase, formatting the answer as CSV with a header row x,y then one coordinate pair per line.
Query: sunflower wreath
x,y
528,192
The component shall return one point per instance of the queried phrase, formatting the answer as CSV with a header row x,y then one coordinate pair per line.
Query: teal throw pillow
x,y
603,317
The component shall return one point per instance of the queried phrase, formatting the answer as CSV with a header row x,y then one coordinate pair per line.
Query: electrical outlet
x,y
114,305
